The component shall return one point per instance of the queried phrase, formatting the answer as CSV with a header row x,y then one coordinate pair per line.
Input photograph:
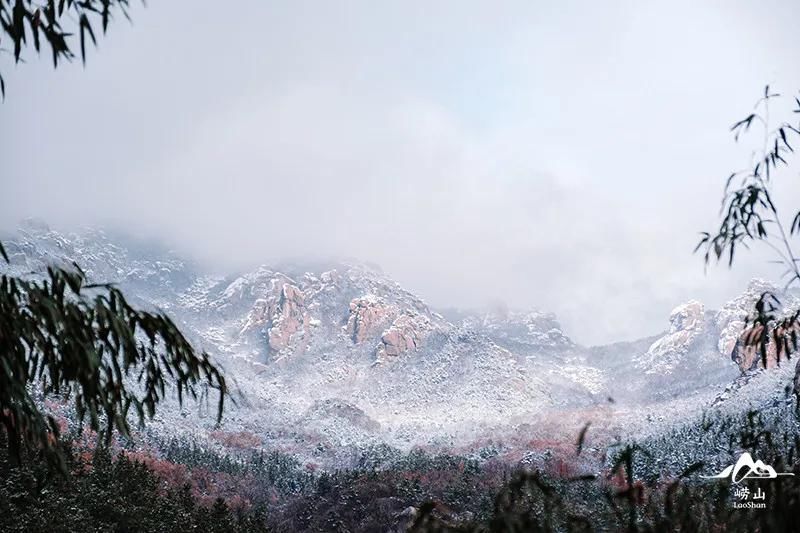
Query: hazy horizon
x,y
563,159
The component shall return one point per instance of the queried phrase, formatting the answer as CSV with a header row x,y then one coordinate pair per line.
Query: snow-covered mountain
x,y
344,356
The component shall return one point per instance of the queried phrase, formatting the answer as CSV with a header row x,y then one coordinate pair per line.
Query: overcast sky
x,y
554,155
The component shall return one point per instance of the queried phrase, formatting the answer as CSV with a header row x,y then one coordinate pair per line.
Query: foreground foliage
x,y
648,486
62,337
26,23
751,214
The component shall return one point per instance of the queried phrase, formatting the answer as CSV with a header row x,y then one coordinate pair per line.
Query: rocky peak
x,y
279,308
721,332
368,316
251,286
407,333
288,319
687,324
358,301
731,318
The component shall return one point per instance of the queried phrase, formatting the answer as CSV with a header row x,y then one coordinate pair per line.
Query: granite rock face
x,y
723,333
739,341
368,316
731,320
687,325
407,333
288,318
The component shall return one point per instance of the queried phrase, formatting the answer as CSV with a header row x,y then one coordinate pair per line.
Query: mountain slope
x,y
327,358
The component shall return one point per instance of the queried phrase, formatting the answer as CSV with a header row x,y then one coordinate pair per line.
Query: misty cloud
x,y
558,159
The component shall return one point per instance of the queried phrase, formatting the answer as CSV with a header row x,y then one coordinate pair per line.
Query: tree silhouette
x,y
55,22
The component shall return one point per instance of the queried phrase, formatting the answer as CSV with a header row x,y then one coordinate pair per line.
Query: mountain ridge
x,y
350,356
